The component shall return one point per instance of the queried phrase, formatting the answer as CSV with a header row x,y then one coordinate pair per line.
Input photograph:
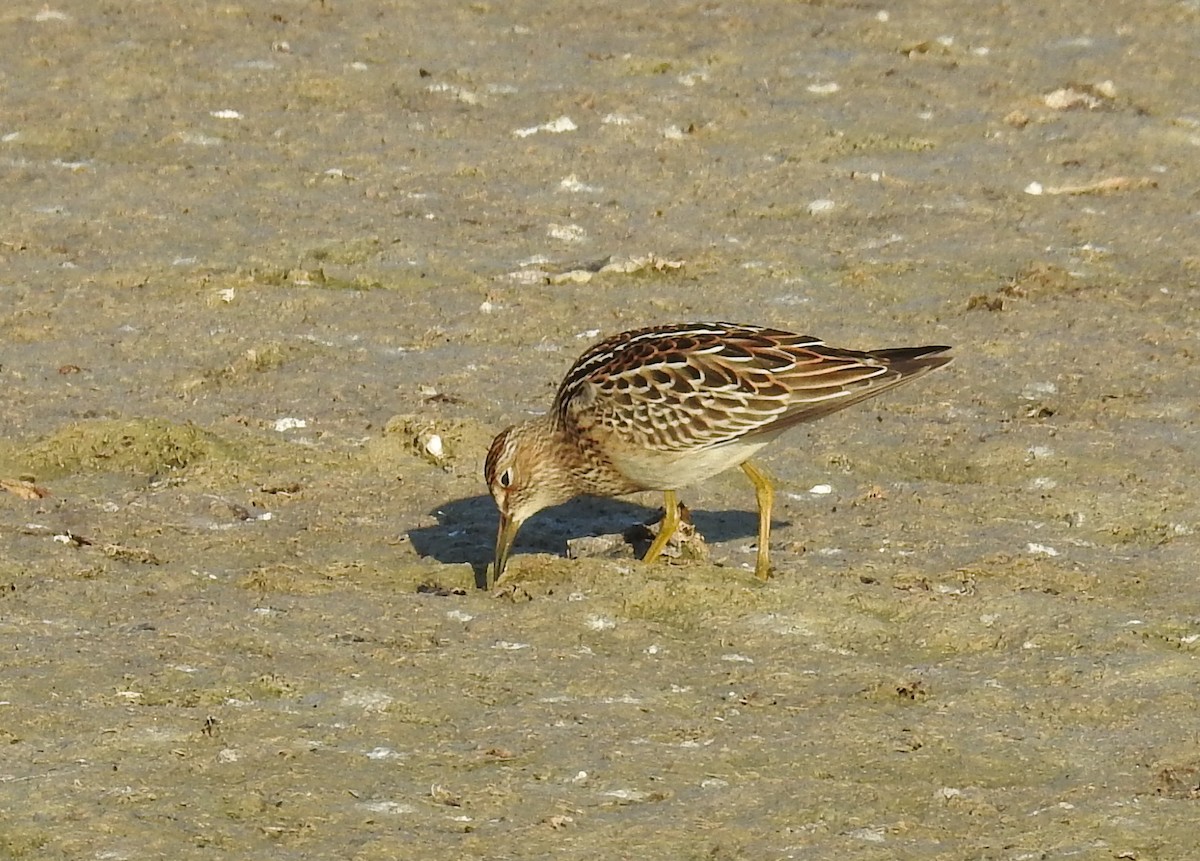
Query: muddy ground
x,y
253,255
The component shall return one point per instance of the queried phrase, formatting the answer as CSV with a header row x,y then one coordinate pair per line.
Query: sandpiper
x,y
664,407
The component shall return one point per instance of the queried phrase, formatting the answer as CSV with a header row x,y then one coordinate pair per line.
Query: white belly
x,y
656,470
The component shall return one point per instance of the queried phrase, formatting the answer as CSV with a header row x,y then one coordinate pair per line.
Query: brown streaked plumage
x,y
665,407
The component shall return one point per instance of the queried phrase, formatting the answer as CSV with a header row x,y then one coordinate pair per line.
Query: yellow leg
x,y
766,498
666,529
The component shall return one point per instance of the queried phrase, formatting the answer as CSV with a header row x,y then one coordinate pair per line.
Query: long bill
x,y
504,541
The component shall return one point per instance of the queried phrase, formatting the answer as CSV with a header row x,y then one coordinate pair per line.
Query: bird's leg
x,y
766,498
666,529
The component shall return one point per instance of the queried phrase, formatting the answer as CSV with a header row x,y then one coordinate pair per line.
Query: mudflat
x,y
274,274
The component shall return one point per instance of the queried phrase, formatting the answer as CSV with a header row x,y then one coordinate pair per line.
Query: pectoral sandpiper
x,y
664,407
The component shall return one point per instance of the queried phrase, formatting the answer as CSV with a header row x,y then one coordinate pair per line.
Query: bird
x,y
664,407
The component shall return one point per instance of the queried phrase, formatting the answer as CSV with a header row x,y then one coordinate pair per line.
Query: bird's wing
x,y
698,385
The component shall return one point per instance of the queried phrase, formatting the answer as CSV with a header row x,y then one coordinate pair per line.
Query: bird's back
x,y
689,387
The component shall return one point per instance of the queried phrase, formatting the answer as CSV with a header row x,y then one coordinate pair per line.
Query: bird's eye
x,y
506,477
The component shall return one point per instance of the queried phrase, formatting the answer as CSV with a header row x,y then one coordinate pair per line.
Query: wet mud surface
x,y
256,257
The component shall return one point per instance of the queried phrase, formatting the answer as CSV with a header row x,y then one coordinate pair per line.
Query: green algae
x,y
147,446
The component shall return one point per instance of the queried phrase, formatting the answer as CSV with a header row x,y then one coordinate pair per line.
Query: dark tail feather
x,y
910,361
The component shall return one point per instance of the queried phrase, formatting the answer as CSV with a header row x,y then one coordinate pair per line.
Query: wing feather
x,y
700,385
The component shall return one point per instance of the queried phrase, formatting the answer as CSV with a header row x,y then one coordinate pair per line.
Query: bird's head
x,y
524,476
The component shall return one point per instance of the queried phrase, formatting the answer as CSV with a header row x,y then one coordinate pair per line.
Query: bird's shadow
x,y
466,528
